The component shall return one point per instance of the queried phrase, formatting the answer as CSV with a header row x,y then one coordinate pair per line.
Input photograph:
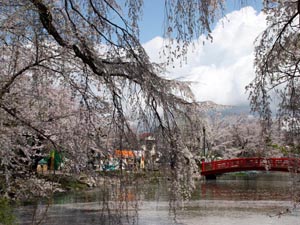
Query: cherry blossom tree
x,y
277,68
73,73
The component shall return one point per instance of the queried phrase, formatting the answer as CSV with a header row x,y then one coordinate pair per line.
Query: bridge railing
x,y
267,163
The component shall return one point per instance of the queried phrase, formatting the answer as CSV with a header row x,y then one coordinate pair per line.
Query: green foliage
x,y
6,213
58,158
71,183
286,150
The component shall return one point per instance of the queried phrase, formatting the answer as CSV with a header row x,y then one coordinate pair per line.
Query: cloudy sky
x,y
220,70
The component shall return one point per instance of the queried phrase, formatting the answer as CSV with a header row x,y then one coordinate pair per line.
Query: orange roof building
x,y
124,154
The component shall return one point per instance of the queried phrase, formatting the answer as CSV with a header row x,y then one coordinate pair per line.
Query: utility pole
x,y
121,129
204,140
121,152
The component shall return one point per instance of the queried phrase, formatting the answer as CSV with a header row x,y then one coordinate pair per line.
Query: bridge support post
x,y
211,177
202,165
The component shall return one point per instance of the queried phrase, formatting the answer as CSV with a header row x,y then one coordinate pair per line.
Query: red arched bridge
x,y
211,169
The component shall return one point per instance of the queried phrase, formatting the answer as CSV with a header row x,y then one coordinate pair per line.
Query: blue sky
x,y
151,24
219,71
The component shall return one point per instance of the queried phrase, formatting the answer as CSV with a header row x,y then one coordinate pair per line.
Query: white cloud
x,y
220,70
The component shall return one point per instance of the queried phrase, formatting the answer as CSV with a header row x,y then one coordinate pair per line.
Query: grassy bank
x,y
7,216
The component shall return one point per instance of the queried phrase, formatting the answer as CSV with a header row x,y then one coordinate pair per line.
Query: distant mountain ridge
x,y
210,106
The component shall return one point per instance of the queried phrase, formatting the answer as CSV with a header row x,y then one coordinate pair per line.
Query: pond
x,y
262,198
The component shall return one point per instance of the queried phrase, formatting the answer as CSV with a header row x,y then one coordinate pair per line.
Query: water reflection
x,y
243,190
240,201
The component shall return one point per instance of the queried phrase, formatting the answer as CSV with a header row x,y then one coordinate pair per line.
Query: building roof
x,y
42,162
124,153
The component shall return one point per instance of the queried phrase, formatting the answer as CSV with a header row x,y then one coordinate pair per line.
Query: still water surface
x,y
255,200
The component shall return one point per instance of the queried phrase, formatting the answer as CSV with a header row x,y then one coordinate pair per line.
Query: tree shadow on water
x,y
115,202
